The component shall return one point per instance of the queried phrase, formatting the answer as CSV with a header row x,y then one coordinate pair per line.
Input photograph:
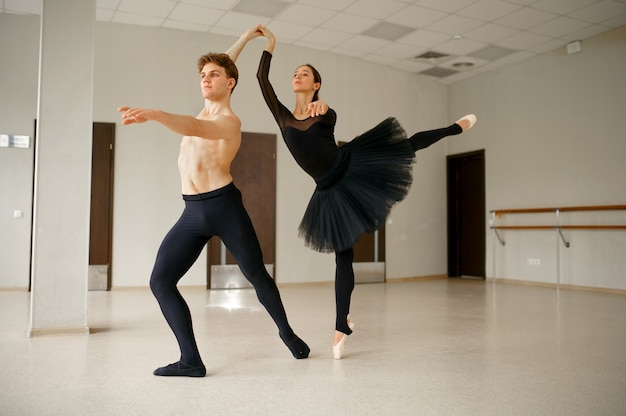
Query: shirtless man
x,y
213,207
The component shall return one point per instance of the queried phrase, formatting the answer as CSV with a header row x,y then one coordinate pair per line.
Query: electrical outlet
x,y
533,262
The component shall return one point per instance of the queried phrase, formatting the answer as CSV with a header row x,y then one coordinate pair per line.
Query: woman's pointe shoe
x,y
338,348
467,122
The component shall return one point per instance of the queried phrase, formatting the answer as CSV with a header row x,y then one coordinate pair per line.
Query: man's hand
x,y
131,115
317,108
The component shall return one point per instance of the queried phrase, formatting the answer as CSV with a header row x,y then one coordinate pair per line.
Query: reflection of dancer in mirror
x,y
357,184
213,207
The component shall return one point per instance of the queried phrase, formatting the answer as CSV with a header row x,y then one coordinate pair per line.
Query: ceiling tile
x,y
460,46
267,8
328,4
416,17
377,59
411,66
585,33
306,15
488,10
134,19
194,27
516,57
490,33
561,6
363,28
375,8
348,52
559,27
104,4
196,14
325,37
241,21
617,21
349,23
364,43
600,11
525,18
396,50
213,4
453,24
424,38
154,8
449,6
389,31
492,52
523,40
548,46
287,30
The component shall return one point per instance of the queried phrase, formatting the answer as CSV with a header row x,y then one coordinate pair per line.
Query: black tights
x,y
217,213
344,273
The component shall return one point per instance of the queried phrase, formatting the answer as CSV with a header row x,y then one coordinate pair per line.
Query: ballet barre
x,y
555,225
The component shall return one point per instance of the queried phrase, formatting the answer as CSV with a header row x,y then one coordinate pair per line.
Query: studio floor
x,y
441,347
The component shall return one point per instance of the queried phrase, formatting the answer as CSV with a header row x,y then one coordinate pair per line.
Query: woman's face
x,y
304,81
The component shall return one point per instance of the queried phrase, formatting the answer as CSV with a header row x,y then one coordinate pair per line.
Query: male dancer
x,y
213,207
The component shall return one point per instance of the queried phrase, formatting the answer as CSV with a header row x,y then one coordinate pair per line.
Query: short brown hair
x,y
223,60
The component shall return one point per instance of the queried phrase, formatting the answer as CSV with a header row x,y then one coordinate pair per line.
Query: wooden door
x,y
466,215
101,222
254,173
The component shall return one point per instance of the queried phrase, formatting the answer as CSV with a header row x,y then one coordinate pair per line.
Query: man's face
x,y
214,82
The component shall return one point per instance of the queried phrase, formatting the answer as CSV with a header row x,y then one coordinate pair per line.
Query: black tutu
x,y
374,172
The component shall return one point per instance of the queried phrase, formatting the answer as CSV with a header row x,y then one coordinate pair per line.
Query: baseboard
x,y
417,278
78,330
621,292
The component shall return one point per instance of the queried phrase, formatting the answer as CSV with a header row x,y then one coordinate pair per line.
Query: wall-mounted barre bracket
x,y
565,243
502,242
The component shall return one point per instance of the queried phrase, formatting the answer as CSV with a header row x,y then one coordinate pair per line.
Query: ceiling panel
x,y
470,33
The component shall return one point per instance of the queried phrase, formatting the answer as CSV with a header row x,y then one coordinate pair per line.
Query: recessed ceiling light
x,y
457,37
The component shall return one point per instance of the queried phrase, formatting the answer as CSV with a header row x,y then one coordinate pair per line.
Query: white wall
x,y
18,110
156,68
553,132
550,127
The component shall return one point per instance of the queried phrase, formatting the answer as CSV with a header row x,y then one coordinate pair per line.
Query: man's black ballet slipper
x,y
298,348
181,370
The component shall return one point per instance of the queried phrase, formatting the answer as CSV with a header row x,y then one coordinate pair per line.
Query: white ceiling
x,y
486,33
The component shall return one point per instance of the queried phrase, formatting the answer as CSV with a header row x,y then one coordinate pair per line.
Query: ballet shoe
x,y
338,348
351,325
470,118
298,348
179,369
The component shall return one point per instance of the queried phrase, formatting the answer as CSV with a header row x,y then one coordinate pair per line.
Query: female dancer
x,y
357,184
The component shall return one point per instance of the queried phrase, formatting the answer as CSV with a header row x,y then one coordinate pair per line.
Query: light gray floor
x,y
445,347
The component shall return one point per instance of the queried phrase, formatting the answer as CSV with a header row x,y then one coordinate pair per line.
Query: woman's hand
x,y
271,39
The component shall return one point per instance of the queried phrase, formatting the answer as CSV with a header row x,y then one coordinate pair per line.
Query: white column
x,y
63,168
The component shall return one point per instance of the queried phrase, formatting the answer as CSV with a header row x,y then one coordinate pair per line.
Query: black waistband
x,y
211,194
337,171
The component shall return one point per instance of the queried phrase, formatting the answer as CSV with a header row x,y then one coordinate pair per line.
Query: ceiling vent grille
x,y
431,55
439,72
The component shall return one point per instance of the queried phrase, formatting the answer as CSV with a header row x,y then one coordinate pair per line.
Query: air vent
x,y
431,55
439,72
